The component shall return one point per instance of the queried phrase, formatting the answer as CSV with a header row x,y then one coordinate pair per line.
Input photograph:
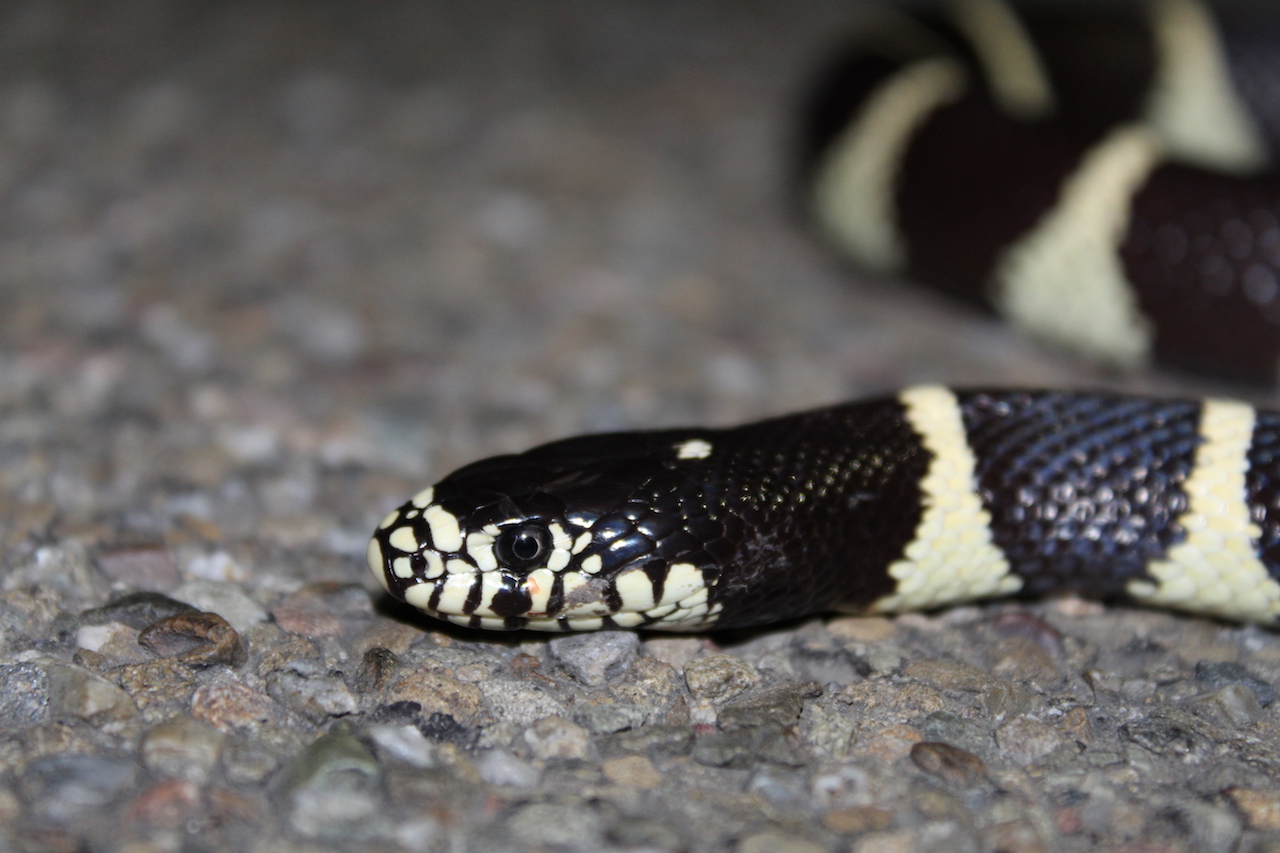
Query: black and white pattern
x,y
928,498
1101,176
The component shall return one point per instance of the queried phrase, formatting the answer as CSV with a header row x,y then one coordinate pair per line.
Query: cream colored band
x,y
952,557
854,194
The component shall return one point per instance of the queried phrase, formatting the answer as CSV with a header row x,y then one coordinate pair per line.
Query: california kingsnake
x,y
933,496
1101,179
916,501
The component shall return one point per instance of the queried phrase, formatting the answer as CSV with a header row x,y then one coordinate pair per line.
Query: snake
x,y
989,153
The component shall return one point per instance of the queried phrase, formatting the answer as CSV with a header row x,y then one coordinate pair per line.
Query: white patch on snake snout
x,y
446,533
694,448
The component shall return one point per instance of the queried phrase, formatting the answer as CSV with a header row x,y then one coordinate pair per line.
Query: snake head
x,y
580,534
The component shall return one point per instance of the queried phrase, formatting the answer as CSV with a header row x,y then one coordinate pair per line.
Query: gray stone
x,y
137,610
742,748
1215,674
945,727
1025,739
652,740
949,763
308,689
780,705
782,787
719,677
610,717
777,842
183,747
572,825
404,743
375,671
499,767
24,701
228,600
70,788
595,658
558,738
64,567
1234,705
521,702
77,692
336,759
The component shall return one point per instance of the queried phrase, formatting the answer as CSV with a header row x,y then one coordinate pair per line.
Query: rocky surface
x,y
267,269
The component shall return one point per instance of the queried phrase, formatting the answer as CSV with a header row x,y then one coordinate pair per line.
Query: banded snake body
x,y
1122,231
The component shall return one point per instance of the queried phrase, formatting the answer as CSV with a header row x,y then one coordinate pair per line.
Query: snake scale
x,y
1103,181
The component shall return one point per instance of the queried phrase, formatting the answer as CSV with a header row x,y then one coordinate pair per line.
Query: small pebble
x,y
336,758
229,706
782,786
196,639
719,677
332,787
168,804
740,749
951,764
558,738
1214,674
68,788
610,717
773,842
228,600
857,820
404,743
158,684
115,642
77,692
499,767
632,771
322,609
435,691
521,702
183,747
1260,807
147,567
375,671
569,825
64,568
1025,740
841,787
137,610
308,689
1170,733
1234,705
778,705
950,675
25,698
597,657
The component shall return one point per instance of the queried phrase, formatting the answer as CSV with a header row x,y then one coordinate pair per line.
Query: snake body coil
x,y
928,498
1102,177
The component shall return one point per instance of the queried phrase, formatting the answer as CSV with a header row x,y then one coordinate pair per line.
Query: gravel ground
x,y
269,268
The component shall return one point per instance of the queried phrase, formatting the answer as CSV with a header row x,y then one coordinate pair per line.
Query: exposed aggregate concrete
x,y
267,269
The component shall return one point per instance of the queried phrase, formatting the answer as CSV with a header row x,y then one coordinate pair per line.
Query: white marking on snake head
x,y
694,448
446,534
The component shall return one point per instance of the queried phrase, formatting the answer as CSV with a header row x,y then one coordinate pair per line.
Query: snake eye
x,y
523,546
